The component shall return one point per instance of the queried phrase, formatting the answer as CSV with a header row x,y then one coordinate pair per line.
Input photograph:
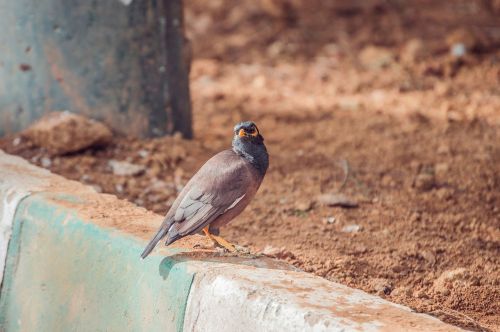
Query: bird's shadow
x,y
257,261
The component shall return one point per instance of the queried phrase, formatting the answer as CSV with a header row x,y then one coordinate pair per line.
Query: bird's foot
x,y
223,243
219,241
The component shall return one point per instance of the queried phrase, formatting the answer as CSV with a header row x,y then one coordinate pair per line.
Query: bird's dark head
x,y
248,132
249,143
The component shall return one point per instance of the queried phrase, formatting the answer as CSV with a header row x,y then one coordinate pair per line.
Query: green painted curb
x,y
66,273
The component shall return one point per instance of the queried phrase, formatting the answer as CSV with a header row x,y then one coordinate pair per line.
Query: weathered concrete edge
x,y
8,207
12,192
226,297
79,275
284,300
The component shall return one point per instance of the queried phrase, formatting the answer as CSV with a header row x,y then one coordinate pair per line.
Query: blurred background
x,y
381,118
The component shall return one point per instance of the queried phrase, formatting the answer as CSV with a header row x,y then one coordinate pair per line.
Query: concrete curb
x,y
72,264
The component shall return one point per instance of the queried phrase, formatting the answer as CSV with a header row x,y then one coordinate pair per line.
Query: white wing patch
x,y
234,203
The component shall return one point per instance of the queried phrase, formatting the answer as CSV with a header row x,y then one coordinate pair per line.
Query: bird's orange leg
x,y
218,240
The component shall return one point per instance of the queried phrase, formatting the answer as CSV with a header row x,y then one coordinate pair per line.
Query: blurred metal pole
x,y
118,61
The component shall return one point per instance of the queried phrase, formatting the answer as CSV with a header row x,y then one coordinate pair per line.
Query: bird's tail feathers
x,y
157,238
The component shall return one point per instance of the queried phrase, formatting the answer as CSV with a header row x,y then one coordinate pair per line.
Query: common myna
x,y
219,191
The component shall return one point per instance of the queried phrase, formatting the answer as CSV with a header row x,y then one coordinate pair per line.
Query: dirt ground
x,y
363,88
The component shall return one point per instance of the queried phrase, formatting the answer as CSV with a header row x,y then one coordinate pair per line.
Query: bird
x,y
220,190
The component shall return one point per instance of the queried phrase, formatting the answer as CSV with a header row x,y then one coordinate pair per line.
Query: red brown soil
x,y
420,136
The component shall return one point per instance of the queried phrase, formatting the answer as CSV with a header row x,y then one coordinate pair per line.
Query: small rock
x,y
444,193
119,188
16,141
303,206
428,256
124,168
458,50
85,178
97,188
449,279
373,57
463,39
445,292
337,200
353,228
143,153
277,252
271,251
358,249
46,162
415,217
381,286
401,291
65,132
425,180
329,220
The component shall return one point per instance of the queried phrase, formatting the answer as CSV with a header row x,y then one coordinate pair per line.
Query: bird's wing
x,y
217,187
211,195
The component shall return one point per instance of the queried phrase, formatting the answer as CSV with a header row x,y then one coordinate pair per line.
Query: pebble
x,y
458,50
353,228
337,200
124,168
270,251
425,181
415,216
143,153
329,220
449,278
303,206
401,291
461,40
97,188
444,193
428,256
16,141
119,188
381,286
277,252
46,162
